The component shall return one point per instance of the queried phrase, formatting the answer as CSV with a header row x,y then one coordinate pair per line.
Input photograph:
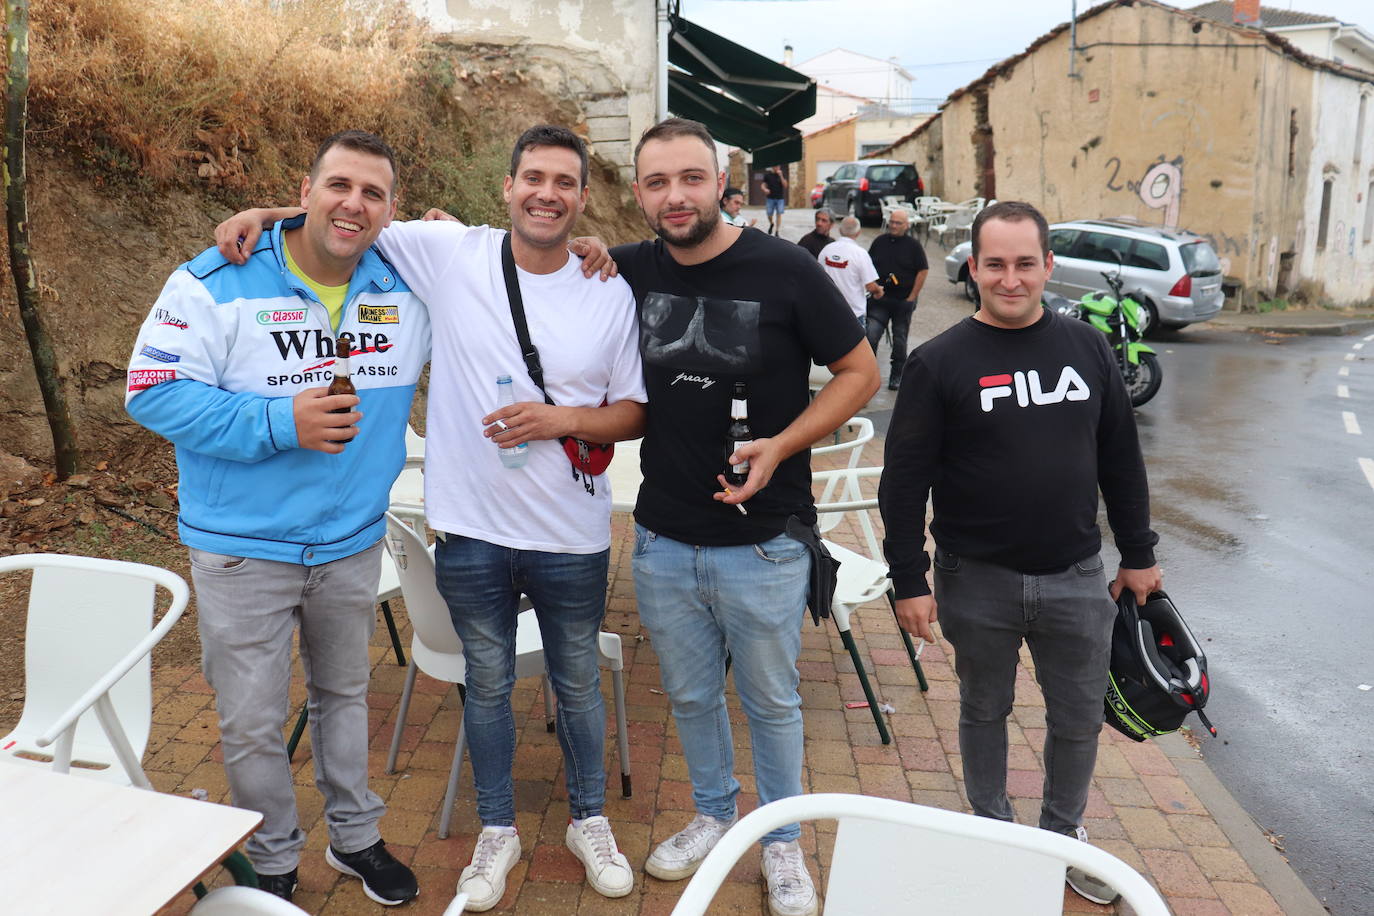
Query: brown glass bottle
x,y
739,434
343,372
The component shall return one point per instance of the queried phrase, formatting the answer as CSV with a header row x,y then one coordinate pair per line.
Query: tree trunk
x,y
65,453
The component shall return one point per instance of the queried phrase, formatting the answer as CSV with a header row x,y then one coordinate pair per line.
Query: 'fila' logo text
x,y
1028,391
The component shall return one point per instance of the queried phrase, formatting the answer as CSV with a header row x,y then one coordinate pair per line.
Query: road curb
x,y
1325,329
1273,870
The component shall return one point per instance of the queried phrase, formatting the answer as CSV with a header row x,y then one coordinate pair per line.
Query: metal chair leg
x,y
622,732
550,709
910,649
452,793
395,637
299,730
848,639
239,868
401,713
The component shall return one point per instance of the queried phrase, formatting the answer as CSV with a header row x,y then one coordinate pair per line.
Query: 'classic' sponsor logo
x,y
281,316
379,314
142,379
161,356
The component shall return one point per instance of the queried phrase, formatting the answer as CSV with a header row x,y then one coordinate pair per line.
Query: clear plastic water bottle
x,y
505,396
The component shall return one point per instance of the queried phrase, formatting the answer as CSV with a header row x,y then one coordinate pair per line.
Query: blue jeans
x,y
772,206
1066,618
698,603
482,584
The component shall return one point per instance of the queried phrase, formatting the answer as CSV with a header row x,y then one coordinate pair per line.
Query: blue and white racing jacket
x,y
215,368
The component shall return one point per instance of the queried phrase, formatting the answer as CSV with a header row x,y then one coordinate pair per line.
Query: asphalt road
x,y
1266,520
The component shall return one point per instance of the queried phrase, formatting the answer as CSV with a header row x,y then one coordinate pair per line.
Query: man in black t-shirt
x,y
902,267
776,202
714,573
1010,422
816,240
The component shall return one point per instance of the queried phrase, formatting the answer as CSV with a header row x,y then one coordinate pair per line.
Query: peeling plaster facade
x,y
1180,121
600,54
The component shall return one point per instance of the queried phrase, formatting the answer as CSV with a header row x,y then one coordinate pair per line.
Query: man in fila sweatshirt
x,y
1010,422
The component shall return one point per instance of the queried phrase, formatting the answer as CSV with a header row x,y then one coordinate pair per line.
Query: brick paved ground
x,y
1140,808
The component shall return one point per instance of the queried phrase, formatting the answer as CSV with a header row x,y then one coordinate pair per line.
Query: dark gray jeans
x,y
1066,618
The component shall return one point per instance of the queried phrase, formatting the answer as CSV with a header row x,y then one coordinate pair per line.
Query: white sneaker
x,y
1085,885
682,853
790,891
484,881
608,871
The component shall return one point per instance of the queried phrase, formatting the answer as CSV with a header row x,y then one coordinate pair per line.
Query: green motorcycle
x,y
1119,317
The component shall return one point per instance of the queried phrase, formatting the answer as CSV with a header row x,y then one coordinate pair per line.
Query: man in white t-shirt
x,y
538,529
850,267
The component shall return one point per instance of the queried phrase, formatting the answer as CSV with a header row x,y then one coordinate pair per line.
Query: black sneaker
x,y
894,382
384,879
278,885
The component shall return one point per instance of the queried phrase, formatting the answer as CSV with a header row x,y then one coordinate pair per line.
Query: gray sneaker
x,y
1084,884
682,853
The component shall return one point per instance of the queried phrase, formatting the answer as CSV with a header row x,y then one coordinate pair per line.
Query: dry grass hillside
x,y
149,123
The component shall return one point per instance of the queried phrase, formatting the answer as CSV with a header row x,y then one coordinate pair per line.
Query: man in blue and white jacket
x,y
283,490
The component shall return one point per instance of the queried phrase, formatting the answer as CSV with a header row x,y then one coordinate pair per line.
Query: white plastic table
x,y
72,845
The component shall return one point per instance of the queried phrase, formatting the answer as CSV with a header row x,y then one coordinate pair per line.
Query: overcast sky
x,y
943,44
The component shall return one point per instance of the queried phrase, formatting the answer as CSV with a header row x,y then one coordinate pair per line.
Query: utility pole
x,y
66,456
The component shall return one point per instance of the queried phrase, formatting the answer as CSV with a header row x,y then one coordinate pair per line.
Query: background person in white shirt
x,y
850,268
731,202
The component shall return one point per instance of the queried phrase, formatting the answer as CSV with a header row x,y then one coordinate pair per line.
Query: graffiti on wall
x,y
1160,188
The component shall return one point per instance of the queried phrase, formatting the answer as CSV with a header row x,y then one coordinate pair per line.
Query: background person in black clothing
x,y
902,267
1011,421
816,240
776,186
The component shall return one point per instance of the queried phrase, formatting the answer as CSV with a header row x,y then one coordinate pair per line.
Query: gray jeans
x,y
248,610
1066,618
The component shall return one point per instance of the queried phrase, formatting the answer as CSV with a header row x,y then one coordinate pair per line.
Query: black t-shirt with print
x,y
760,312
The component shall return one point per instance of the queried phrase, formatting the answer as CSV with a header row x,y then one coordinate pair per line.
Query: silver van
x,y
1175,273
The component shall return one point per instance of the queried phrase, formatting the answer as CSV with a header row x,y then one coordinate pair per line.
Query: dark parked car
x,y
858,188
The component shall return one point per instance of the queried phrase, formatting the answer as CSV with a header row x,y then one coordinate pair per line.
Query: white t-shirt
x,y
587,334
736,220
850,267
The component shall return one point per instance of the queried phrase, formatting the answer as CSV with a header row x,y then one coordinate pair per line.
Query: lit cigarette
x,y
739,506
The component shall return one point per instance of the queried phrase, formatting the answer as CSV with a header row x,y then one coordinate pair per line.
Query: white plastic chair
x,y
408,492
861,430
436,649
896,857
862,578
243,901
88,640
456,907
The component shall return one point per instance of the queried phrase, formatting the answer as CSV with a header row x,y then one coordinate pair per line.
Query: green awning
x,y
743,98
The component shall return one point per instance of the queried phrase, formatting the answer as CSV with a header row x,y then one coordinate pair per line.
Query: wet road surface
x,y
1266,522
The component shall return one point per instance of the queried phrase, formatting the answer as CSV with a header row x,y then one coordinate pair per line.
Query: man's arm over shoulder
x,y
174,375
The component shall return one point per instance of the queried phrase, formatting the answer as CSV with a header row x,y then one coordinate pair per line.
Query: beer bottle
x,y
739,434
343,372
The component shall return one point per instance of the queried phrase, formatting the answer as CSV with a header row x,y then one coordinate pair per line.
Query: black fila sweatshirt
x,y
1011,433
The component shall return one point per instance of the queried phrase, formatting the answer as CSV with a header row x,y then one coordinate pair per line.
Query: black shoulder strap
x,y
517,314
